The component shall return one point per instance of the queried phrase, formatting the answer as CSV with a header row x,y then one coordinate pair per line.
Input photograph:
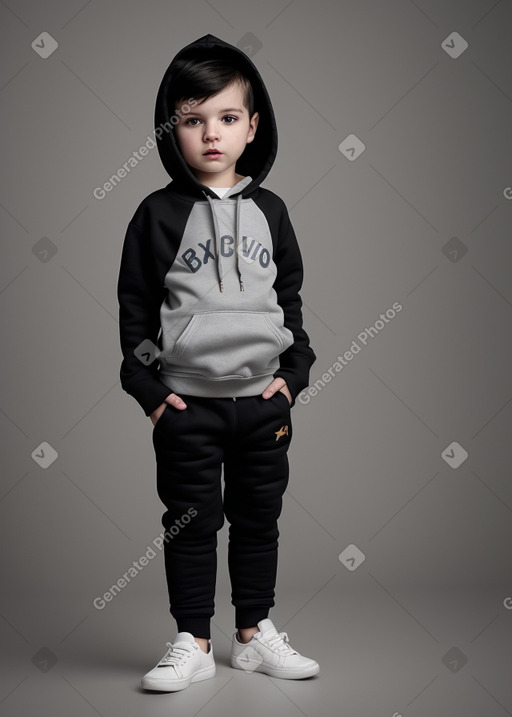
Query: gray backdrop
x,y
395,570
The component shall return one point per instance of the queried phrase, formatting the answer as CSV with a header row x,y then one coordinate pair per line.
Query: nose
x,y
211,131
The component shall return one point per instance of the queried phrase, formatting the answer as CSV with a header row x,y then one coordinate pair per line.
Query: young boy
x,y
209,287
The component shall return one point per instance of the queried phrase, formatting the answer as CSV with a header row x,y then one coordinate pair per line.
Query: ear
x,y
253,126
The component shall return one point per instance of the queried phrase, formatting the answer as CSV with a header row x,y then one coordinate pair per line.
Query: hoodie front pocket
x,y
228,344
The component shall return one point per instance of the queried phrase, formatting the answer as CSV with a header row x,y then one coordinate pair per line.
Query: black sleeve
x,y
140,297
296,361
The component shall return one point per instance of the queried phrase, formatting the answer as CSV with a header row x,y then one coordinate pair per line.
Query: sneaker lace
x,y
278,643
175,654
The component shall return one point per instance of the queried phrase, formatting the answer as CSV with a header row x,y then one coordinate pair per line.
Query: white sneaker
x,y
183,663
269,652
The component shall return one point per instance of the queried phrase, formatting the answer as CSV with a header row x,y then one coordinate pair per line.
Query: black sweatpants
x,y
250,436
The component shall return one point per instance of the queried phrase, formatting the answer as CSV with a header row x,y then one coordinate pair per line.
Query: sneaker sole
x,y
174,685
276,671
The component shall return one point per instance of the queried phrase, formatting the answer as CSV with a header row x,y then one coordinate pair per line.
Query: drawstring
x,y
237,239
216,241
220,271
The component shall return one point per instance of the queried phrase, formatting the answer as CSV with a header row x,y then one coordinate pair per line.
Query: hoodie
x,y
208,287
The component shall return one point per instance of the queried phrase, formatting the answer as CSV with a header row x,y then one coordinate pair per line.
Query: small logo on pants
x,y
283,431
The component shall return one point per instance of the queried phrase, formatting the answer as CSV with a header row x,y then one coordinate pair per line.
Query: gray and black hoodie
x,y
213,283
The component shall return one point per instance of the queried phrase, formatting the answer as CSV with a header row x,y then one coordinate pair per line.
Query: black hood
x,y
258,156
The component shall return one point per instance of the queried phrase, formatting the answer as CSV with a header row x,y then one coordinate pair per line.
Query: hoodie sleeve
x,y
140,297
296,361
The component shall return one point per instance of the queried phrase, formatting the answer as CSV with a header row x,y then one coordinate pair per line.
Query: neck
x,y
219,179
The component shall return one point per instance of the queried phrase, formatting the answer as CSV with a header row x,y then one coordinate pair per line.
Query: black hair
x,y
203,78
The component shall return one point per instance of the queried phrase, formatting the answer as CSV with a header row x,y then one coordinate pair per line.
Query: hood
x,y
258,156
254,163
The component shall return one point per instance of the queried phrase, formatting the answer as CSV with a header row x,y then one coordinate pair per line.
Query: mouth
x,y
212,153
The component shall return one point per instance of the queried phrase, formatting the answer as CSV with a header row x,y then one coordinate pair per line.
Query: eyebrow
x,y
229,109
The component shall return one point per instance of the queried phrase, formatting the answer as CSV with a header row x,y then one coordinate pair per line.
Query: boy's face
x,y
221,122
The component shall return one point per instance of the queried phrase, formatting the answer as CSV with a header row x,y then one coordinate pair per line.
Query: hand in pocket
x,y
278,384
171,400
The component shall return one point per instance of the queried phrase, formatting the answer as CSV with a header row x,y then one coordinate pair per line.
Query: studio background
x,y
395,570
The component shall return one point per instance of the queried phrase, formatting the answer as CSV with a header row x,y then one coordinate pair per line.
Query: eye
x,y
231,117
193,119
